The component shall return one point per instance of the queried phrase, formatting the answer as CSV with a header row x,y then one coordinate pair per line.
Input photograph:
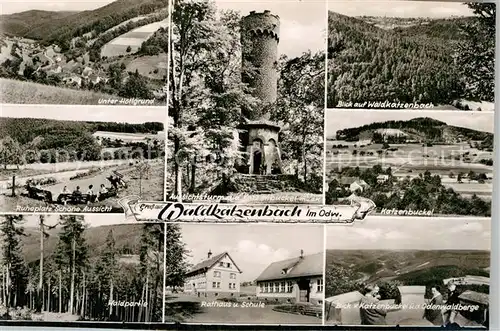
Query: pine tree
x,y
11,230
71,252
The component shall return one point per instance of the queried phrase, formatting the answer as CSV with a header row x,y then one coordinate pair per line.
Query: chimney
x,y
209,253
301,253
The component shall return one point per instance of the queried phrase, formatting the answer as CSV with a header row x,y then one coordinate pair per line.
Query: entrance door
x,y
257,160
304,290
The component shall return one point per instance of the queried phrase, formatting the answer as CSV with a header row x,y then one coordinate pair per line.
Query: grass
x,y
146,65
20,92
152,187
134,39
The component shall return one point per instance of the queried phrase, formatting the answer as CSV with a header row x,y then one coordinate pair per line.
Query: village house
x,y
299,279
382,179
353,184
217,276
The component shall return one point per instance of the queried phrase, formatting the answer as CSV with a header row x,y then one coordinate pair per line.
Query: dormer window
x,y
284,271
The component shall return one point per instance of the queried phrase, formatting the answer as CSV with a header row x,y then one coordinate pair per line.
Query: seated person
x,y
91,196
65,190
103,191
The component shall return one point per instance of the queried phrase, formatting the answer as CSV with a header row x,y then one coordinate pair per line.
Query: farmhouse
x,y
353,184
217,276
298,279
382,178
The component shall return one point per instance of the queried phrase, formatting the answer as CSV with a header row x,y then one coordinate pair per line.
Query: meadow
x,y
20,92
154,67
132,39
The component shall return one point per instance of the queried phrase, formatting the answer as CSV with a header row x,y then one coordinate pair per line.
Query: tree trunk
x,y
111,288
193,176
40,283
48,297
83,297
72,286
60,291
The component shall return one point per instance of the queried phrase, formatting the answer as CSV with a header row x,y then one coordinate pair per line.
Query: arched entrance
x,y
257,156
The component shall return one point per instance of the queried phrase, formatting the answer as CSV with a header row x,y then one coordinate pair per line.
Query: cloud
x,y
254,252
368,234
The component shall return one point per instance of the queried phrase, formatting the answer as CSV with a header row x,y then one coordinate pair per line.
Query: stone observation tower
x,y
259,40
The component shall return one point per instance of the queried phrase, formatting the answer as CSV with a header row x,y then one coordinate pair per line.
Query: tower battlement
x,y
263,23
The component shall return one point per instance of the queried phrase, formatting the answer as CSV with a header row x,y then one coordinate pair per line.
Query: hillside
x,y
412,267
377,59
421,129
20,24
25,130
54,26
127,238
22,92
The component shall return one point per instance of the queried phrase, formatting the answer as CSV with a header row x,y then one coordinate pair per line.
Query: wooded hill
x,y
438,61
347,268
62,26
422,128
127,240
24,130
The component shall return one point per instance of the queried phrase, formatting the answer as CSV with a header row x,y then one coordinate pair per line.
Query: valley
x,y
96,60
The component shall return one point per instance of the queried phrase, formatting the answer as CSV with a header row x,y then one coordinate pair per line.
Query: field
x,y
409,160
134,39
19,92
147,65
129,137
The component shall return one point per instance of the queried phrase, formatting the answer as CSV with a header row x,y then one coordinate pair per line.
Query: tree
x,y
11,230
129,49
339,280
177,266
300,109
110,264
136,86
10,152
71,252
476,52
43,228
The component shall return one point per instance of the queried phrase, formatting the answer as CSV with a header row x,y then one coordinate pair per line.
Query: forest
x,y
428,129
49,141
74,271
425,192
439,61
209,102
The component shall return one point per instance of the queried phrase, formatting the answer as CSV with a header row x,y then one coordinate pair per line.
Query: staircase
x,y
264,184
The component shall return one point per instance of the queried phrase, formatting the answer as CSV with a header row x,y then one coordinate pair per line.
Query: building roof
x,y
308,265
348,180
209,263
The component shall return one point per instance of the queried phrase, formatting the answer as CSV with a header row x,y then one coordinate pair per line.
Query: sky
x,y
303,22
406,9
16,6
92,220
399,233
125,114
252,246
343,119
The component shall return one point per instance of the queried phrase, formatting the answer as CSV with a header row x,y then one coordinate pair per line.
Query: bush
x,y
85,174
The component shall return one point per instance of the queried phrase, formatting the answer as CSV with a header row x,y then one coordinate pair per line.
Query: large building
x,y
295,280
217,276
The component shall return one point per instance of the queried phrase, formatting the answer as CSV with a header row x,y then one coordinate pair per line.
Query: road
x,y
241,315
